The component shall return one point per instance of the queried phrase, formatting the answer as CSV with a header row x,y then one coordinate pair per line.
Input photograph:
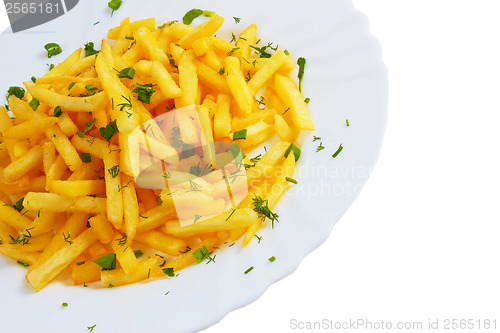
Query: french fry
x,y
267,71
43,274
103,229
246,39
29,128
185,259
85,273
156,217
293,98
113,188
167,85
23,165
52,202
127,119
238,86
6,231
206,29
63,67
161,242
154,50
222,117
124,254
240,218
281,127
44,222
64,147
131,209
75,104
67,125
77,188
24,257
211,78
119,277
64,236
33,244
188,80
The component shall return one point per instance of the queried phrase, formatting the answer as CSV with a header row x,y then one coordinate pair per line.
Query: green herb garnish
x,y
272,259
88,127
194,13
240,135
291,180
86,158
144,92
52,49
302,63
89,49
108,262
261,207
34,103
114,5
296,151
338,151
201,254
169,271
109,131
128,73
16,91
249,270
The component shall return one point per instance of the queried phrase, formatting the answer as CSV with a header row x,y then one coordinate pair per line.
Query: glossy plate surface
x,y
344,78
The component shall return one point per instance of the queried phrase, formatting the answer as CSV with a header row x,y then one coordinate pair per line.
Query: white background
x,y
422,240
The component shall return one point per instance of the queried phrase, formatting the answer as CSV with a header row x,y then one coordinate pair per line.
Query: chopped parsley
x,y
89,49
16,91
138,253
64,305
249,270
272,259
315,138
237,19
86,158
194,13
108,262
71,85
88,127
291,180
128,73
144,92
320,147
169,271
109,131
347,122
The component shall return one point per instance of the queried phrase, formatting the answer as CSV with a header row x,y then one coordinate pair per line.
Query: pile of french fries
x,y
68,190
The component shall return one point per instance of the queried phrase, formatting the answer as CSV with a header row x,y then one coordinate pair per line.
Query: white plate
x,y
344,78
